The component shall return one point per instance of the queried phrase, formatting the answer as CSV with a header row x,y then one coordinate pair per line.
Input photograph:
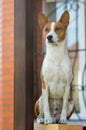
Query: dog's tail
x,y
36,108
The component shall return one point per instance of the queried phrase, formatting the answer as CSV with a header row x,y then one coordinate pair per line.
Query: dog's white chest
x,y
56,73
54,77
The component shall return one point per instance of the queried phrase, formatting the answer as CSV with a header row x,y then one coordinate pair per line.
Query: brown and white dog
x,y
56,73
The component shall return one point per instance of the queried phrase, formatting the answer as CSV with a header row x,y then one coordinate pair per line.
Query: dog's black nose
x,y
49,37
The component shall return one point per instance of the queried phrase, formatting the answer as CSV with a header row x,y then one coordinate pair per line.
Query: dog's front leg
x,y
63,116
47,115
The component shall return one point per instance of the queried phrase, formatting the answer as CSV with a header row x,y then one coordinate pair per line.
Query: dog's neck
x,y
56,51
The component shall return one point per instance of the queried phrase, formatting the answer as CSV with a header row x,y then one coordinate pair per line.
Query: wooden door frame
x,y
24,12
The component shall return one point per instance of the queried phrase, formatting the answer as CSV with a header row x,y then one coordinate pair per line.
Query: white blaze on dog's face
x,y
54,32
51,37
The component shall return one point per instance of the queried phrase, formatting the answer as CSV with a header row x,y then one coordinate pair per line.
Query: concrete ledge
x,y
57,127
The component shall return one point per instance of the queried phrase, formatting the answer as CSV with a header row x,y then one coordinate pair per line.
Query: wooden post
x,y
57,127
24,13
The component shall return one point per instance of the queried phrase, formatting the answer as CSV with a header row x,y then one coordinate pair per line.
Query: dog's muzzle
x,y
51,41
50,38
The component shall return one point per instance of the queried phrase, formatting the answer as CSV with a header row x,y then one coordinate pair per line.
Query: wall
x,y
0,64
7,65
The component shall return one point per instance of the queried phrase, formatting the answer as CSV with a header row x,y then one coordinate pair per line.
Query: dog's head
x,y
54,32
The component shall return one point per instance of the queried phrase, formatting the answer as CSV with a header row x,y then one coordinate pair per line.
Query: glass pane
x,y
76,44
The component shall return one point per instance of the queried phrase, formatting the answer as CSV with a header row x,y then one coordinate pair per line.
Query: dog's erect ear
x,y
43,20
65,19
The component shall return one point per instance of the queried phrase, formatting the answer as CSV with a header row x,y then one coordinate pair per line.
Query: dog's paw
x,y
62,120
48,121
40,120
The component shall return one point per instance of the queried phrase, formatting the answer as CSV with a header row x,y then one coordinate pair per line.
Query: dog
x,y
55,105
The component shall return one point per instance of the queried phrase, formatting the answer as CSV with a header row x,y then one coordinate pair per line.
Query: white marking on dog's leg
x,y
47,115
63,116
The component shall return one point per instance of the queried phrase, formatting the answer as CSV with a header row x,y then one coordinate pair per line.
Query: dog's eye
x,y
46,30
58,29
